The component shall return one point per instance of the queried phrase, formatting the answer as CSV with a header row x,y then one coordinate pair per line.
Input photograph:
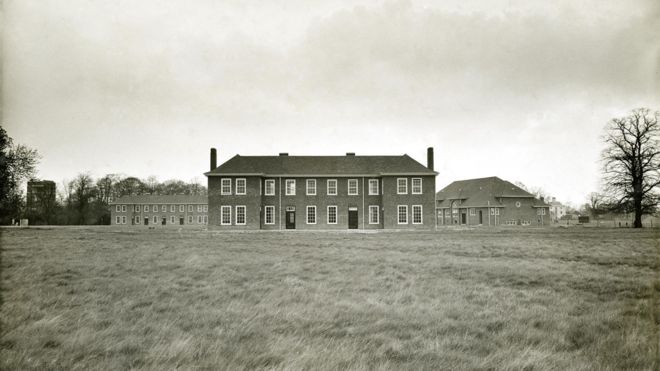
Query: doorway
x,y
290,220
180,220
481,217
146,220
463,218
352,218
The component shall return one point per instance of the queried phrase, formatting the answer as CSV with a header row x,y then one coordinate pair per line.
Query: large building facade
x,y
159,210
321,192
489,201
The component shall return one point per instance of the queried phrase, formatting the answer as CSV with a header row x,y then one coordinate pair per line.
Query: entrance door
x,y
463,218
180,220
290,220
146,220
352,219
481,217
164,221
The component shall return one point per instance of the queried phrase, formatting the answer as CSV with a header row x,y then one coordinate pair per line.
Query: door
x,y
290,220
463,218
164,221
352,219
146,221
481,217
180,220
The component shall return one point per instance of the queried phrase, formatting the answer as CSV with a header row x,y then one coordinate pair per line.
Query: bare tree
x,y
631,163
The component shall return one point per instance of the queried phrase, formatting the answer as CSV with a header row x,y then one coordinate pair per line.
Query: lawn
x,y
483,299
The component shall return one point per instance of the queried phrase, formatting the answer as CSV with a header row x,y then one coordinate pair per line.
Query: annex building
x,y
489,201
321,192
163,210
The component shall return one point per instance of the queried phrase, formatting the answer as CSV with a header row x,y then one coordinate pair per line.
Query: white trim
x,y
377,187
123,208
123,220
272,215
377,214
222,208
145,208
236,208
412,186
327,187
307,214
199,219
398,220
172,219
190,219
272,193
357,189
286,187
421,214
172,208
398,186
117,219
244,186
328,214
222,186
163,208
307,183
118,209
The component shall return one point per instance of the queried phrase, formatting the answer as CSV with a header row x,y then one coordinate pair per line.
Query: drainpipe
x,y
362,203
489,213
280,207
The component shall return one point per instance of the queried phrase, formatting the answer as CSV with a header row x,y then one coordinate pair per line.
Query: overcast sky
x,y
517,89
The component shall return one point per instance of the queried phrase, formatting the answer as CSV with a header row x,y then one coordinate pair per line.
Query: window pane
x,y
403,214
311,214
332,186
332,214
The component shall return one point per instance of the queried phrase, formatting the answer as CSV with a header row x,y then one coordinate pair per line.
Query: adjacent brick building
x,y
321,192
489,201
40,201
162,210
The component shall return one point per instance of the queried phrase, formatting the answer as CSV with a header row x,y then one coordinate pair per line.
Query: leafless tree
x,y
631,163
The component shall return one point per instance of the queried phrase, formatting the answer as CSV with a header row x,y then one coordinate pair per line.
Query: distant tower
x,y
40,201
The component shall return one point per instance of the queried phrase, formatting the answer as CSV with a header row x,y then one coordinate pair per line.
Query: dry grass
x,y
549,299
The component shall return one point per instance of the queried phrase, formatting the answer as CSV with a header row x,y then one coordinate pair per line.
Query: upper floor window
x,y
182,208
290,187
137,208
172,208
311,187
123,208
146,208
416,186
332,187
199,208
352,187
373,186
205,208
270,187
163,208
190,208
225,186
401,186
118,209
240,186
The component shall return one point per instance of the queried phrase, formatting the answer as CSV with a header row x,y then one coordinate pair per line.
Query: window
x,y
190,219
205,208
133,208
206,219
123,208
225,186
473,212
270,215
225,215
137,208
416,184
190,208
172,219
182,208
199,208
155,219
417,214
137,220
123,220
172,208
240,215
290,187
373,214
332,214
163,208
373,186
401,186
311,214
118,220
517,203
494,211
146,208
118,209
311,187
199,219
155,208
332,187
402,214
352,187
270,187
240,186
540,211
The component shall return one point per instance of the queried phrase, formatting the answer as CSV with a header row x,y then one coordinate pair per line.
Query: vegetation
x,y
533,299
17,164
632,163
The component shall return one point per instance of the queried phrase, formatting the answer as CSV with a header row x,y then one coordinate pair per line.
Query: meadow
x,y
103,298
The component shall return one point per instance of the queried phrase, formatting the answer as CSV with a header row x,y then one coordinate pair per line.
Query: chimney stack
x,y
284,153
214,159
429,158
350,153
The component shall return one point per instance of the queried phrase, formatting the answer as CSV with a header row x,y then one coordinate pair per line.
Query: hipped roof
x,y
482,192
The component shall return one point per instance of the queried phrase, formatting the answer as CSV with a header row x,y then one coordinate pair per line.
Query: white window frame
x,y
123,220
199,219
163,208
357,189
333,181
205,208
118,219
310,185
336,214
225,186
172,208
155,220
190,219
199,208
398,214
146,208
412,186
241,207
421,214
137,208
272,215
222,215
286,187
172,219
123,208
270,187
136,220
118,209
191,208
307,209
371,208
405,186
473,212
206,219
182,208
244,181
371,183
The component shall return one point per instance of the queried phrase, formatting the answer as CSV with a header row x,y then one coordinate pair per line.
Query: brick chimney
x,y
429,158
214,159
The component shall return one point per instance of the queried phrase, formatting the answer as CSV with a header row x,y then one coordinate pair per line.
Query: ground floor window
x,y
270,215
118,220
172,219
417,214
332,214
225,215
199,219
206,219
494,211
311,214
155,219
402,214
190,219
137,220
240,215
123,220
540,211
473,212
373,214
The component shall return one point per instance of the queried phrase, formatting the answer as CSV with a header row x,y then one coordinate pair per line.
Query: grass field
x,y
510,299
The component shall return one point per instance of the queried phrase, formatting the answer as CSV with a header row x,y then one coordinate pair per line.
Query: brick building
x,y
40,201
489,201
163,210
321,192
